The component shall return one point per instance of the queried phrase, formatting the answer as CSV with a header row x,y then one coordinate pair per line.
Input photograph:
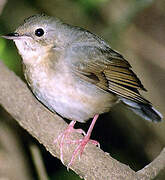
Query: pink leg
x,y
82,142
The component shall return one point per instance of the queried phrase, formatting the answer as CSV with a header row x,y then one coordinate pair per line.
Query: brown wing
x,y
123,81
111,72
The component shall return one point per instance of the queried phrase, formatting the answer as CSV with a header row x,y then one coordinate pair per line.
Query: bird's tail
x,y
146,111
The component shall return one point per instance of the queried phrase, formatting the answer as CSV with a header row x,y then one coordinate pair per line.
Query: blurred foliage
x,y
125,24
90,5
10,58
124,20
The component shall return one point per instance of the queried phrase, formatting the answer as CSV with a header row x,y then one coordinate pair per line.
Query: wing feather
x,y
123,76
110,71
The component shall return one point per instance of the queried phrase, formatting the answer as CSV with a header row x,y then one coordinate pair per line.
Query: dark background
x,y
136,29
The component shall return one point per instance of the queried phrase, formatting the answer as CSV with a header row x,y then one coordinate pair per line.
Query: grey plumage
x,y
85,62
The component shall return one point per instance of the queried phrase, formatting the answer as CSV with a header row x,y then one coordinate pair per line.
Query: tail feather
x,y
146,111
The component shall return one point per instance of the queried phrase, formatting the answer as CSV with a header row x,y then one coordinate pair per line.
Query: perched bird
x,y
76,74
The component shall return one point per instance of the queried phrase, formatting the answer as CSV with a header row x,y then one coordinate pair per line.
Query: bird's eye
x,y
39,32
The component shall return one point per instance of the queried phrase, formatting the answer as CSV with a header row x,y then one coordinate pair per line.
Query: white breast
x,y
70,97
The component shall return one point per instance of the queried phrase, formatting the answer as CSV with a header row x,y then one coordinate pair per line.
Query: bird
x,y
76,74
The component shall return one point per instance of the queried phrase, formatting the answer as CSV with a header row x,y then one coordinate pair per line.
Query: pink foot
x,y
80,148
81,142
65,135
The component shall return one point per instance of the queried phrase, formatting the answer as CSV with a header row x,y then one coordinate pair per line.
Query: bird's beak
x,y
15,36
11,36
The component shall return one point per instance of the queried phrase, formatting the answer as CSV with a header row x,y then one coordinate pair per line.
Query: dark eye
x,y
39,32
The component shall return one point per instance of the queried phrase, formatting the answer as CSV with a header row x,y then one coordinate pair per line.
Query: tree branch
x,y
153,169
45,126
11,150
2,4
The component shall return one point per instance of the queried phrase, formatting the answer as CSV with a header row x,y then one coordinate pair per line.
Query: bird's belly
x,y
75,101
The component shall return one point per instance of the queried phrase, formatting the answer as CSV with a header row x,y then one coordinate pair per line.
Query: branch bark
x,y
151,170
45,126
2,4
11,150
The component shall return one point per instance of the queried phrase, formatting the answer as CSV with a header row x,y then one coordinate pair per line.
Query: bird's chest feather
x,y
67,95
